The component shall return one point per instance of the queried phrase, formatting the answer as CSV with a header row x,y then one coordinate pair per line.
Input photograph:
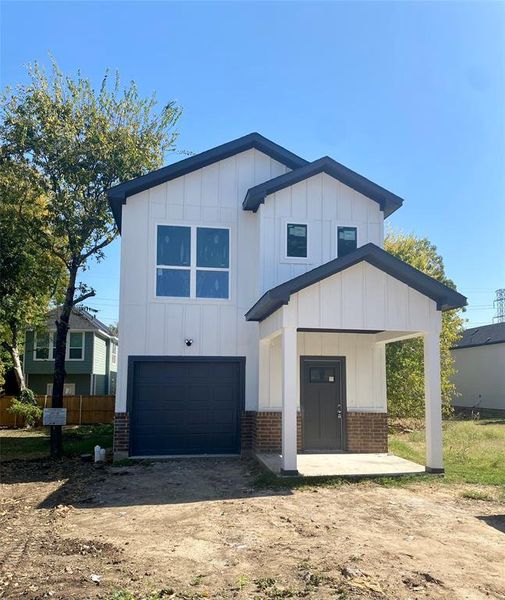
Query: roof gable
x,y
118,194
80,319
445,297
388,201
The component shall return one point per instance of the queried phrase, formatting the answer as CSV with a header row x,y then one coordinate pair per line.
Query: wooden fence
x,y
81,410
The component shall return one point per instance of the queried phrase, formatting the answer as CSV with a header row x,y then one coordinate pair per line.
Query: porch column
x,y
289,401
433,403
264,373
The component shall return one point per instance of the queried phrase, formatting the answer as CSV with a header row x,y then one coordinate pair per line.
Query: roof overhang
x,y
445,297
118,194
387,201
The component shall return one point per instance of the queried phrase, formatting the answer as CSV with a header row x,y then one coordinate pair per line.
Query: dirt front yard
x,y
201,528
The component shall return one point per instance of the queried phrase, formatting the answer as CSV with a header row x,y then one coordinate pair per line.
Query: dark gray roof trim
x,y
388,201
117,195
485,335
445,297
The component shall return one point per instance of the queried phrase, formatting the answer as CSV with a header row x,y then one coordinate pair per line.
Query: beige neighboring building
x,y
480,362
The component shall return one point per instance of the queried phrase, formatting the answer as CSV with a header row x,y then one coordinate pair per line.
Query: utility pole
x,y
499,304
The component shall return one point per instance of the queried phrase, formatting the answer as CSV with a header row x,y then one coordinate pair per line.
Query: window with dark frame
x,y
347,240
175,264
296,240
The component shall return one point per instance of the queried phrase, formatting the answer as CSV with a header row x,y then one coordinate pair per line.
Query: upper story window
x,y
113,352
296,240
193,262
347,240
76,345
45,341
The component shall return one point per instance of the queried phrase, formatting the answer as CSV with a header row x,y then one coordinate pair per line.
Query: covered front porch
x,y
322,365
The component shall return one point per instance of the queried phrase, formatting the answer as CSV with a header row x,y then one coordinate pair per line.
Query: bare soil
x,y
199,528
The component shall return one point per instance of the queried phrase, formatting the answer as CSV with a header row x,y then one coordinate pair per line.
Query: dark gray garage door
x,y
181,407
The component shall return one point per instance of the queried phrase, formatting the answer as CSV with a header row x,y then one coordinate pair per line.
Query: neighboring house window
x,y
113,354
76,345
347,240
203,273
68,389
45,340
296,240
42,342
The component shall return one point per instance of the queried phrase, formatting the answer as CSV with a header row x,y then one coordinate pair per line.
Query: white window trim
x,y
113,355
348,224
192,267
294,259
50,347
83,338
52,334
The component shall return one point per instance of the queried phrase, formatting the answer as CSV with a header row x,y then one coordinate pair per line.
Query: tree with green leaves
x,y
81,142
404,359
29,274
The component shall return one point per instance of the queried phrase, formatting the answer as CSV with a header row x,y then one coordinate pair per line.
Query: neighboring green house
x,y
91,362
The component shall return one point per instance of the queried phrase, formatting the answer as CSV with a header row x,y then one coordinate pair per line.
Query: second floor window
x,y
45,345
296,240
347,240
192,262
76,345
43,341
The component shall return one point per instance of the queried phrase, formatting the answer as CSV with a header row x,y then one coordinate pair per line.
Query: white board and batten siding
x,y
213,196
155,326
324,204
360,298
365,369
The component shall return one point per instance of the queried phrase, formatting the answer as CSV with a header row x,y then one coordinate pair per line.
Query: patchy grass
x,y
29,444
477,495
474,450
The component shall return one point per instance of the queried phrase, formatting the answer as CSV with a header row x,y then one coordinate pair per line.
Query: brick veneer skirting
x,y
261,432
121,434
367,432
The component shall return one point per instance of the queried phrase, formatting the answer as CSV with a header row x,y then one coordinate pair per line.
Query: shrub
x,y
25,406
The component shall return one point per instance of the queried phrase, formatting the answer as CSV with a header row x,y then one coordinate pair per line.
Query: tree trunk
x,y
13,350
62,327
18,370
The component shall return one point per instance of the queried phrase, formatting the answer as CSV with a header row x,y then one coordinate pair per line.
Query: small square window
x,y
174,246
212,284
212,247
296,244
322,375
347,240
172,282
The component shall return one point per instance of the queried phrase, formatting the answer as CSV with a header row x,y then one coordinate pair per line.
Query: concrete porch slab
x,y
345,465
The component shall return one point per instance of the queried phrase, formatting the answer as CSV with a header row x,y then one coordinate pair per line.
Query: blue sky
x,y
411,95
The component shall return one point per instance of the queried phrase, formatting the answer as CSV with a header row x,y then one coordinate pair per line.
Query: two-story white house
x,y
255,304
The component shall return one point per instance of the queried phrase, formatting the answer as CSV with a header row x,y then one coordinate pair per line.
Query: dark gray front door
x,y
323,403
186,407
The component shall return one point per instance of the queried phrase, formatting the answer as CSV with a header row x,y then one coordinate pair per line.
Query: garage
x,y
185,405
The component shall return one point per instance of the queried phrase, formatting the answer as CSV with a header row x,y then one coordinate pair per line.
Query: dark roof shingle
x,y
485,335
